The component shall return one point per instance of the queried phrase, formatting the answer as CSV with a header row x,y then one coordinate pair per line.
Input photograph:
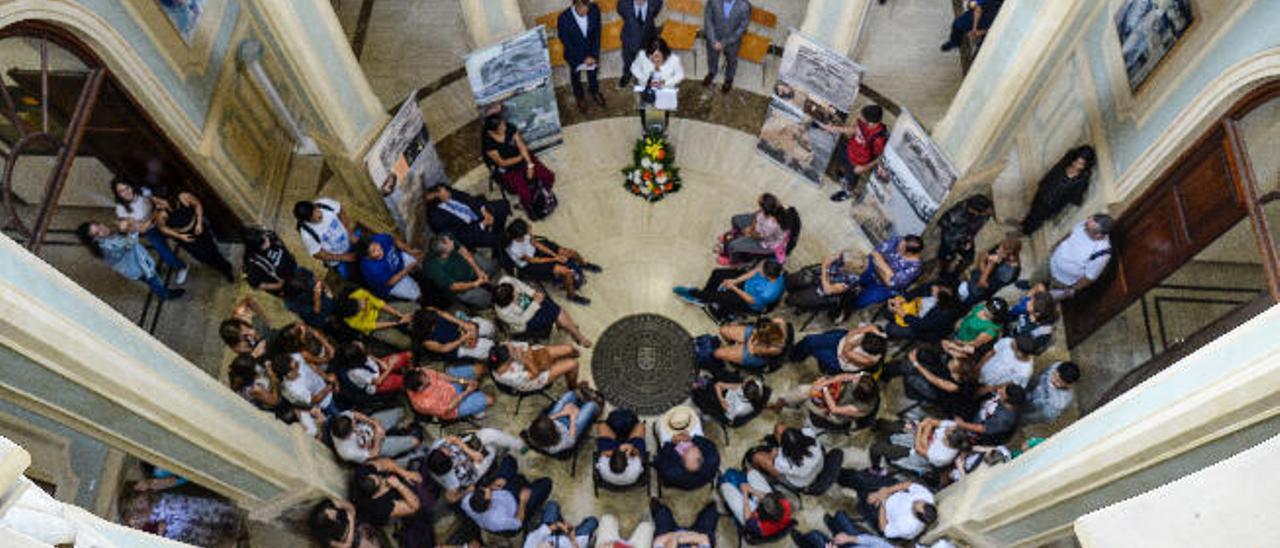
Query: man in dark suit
x,y
579,30
724,24
473,222
639,27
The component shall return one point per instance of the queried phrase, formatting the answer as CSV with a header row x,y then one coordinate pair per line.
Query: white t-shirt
x,y
364,377
139,209
355,448
940,454
628,476
581,20
1079,256
806,471
521,251
333,237
900,519
1045,402
305,386
1005,367
738,404
517,376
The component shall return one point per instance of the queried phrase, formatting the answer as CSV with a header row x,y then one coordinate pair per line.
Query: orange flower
x,y
669,186
648,175
662,154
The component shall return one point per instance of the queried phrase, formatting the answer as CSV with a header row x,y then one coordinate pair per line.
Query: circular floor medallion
x,y
643,362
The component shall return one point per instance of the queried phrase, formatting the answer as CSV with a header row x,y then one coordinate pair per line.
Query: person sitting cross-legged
x,y
844,534
686,459
503,504
528,367
823,286
792,456
358,437
891,268
728,291
387,265
455,270
453,394
837,399
440,334
620,446
753,503
919,446
669,534
609,535
899,511
528,311
844,350
752,345
555,532
363,312
475,222
542,260
558,428
458,462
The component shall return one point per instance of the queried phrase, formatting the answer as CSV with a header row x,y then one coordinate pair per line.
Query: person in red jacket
x,y
867,138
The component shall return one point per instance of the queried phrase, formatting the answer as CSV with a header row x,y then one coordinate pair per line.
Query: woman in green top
x,y
982,324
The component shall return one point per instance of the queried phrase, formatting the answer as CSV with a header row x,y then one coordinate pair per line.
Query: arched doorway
x,y
67,126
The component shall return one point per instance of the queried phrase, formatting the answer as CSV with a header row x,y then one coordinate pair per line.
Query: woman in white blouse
x,y
658,66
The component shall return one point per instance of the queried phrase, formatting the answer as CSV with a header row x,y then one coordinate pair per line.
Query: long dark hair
x,y
137,192
772,207
82,232
1083,151
795,445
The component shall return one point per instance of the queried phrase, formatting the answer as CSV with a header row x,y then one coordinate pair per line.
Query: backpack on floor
x,y
544,202
704,349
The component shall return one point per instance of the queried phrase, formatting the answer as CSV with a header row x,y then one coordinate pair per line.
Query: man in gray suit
x,y
725,22
639,27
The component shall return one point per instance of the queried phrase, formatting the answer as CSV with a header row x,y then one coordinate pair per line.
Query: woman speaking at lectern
x,y
658,67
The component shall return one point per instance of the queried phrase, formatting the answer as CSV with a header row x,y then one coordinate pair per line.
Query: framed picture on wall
x,y
185,16
1148,30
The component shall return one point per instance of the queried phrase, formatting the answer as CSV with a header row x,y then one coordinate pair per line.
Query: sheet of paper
x,y
665,99
585,66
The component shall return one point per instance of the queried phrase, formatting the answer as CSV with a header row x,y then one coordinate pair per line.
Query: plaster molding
x,y
51,456
1210,104
67,349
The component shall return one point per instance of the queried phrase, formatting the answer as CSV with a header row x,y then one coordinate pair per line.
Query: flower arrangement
x,y
653,174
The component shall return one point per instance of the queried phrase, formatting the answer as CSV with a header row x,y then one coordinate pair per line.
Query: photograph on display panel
x,y
536,115
791,135
403,163
815,86
1148,29
509,67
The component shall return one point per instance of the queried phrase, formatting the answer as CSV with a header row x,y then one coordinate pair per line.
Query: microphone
x,y
649,95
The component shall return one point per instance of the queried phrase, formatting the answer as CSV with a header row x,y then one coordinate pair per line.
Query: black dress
x,y
1055,192
182,219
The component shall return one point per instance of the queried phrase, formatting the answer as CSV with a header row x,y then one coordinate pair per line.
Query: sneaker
x,y
592,268
1022,284
579,299
686,294
728,85
840,196
175,293
724,260
947,46
181,278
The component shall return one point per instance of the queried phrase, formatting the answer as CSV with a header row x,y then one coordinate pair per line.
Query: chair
x,y
827,427
685,7
682,37
748,538
597,482
607,7
494,179
518,394
764,18
442,424
755,48
832,460
570,454
556,49
717,415
610,37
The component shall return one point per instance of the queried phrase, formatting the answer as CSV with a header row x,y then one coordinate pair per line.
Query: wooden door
x,y
1195,202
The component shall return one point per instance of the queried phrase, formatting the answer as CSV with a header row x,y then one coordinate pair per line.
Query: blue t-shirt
x,y
764,292
377,273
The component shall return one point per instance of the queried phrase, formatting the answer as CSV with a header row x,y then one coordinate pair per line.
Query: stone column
x,y
310,42
836,23
1211,405
489,21
1023,48
68,356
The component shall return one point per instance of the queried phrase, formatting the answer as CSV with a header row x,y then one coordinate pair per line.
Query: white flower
x,y
662,179
645,163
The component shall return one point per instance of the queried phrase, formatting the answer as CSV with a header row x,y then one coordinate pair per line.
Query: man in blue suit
x,y
579,30
639,27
